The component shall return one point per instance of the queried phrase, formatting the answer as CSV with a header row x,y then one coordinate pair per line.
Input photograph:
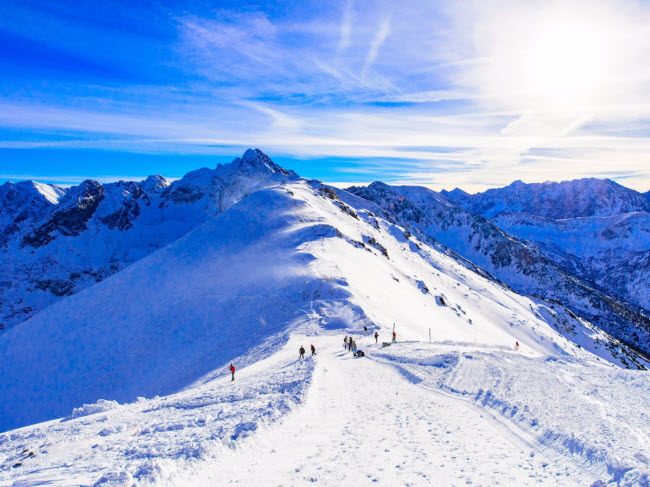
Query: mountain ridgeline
x,y
581,245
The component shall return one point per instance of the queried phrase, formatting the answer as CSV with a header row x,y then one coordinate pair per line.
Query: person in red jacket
x,y
232,371
313,350
394,337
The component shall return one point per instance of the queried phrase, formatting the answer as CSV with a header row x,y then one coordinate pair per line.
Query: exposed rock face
x,y
611,252
21,204
70,216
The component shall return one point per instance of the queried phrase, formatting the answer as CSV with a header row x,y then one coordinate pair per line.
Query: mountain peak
x,y
29,190
254,155
154,183
255,160
456,195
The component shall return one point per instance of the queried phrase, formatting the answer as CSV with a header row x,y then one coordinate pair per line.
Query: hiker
x,y
365,330
376,337
313,350
302,352
232,371
516,346
354,347
394,337
345,342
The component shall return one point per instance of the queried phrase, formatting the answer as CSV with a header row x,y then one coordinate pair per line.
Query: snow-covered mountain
x,y
22,203
51,249
568,199
245,263
612,252
513,261
594,229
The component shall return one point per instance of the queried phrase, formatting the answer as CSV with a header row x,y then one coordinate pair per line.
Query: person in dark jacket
x,y
376,337
302,352
365,330
232,371
313,350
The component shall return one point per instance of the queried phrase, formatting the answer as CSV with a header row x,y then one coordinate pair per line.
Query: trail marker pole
x,y
429,334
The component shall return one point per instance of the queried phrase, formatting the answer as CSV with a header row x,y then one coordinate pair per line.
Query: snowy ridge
x,y
130,374
568,199
596,230
516,262
97,230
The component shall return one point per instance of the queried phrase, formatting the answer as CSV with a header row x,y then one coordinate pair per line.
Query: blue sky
x,y
471,93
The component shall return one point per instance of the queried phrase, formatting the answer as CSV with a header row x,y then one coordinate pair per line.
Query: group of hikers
x,y
301,351
349,344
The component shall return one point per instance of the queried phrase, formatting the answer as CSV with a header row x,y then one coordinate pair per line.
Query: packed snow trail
x,y
362,422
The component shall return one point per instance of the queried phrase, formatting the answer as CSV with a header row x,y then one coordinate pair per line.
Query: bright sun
x,y
564,63
552,57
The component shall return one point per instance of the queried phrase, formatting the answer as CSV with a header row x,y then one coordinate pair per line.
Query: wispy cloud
x,y
346,27
383,31
470,94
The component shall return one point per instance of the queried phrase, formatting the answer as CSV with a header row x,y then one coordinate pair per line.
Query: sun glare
x,y
564,59
564,63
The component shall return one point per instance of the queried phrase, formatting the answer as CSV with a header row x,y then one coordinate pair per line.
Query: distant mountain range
x,y
569,199
584,244
595,229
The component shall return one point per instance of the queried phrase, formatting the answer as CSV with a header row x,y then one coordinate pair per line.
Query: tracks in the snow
x,y
516,433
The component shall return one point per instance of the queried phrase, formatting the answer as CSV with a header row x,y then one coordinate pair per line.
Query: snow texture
x,y
126,382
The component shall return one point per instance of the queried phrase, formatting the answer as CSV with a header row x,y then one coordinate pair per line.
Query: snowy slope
x,y
294,262
233,283
96,230
515,262
595,229
613,252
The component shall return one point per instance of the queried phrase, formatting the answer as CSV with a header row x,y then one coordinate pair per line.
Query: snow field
x,y
292,265
362,423
594,415
153,441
